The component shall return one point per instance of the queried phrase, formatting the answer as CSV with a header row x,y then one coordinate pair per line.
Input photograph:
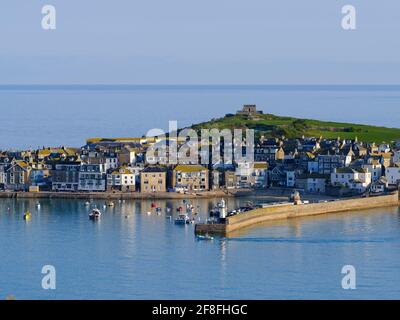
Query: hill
x,y
271,125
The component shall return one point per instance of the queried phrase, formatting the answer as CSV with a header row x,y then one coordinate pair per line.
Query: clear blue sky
x,y
200,42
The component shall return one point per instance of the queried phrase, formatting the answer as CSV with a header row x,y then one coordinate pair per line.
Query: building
x,y
290,179
380,185
190,178
375,167
396,157
65,176
121,179
357,179
268,153
17,176
249,110
393,175
153,179
328,162
260,175
92,178
243,173
312,182
40,176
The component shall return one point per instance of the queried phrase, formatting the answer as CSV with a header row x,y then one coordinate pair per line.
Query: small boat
x,y
204,237
158,210
27,216
87,203
38,205
110,204
182,219
222,204
95,214
153,205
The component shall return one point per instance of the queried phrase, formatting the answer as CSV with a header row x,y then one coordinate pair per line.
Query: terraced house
x,y
190,178
17,176
122,179
153,179
92,177
65,176
357,179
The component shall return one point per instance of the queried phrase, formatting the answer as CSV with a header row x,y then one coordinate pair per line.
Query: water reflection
x,y
131,254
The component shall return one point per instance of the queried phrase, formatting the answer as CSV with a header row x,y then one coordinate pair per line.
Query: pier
x,y
292,210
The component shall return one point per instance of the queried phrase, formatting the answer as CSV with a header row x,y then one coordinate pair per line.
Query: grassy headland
x,y
271,125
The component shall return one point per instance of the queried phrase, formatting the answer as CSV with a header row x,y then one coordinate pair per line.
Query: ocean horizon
x,y
55,115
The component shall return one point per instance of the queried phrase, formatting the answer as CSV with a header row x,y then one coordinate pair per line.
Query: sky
x,y
199,42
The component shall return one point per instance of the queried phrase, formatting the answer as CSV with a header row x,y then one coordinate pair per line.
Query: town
x,y
315,165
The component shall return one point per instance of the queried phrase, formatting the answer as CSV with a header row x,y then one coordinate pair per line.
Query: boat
x,y
38,205
204,237
110,204
222,204
95,214
87,203
158,210
27,216
182,219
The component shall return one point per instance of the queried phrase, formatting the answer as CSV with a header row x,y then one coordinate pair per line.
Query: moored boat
x,y
204,237
110,204
95,214
182,219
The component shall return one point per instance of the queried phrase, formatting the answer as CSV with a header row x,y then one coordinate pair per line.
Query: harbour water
x,y
129,254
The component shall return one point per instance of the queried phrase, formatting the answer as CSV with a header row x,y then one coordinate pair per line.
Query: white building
x,y
260,174
243,173
375,167
290,179
357,179
111,162
393,175
313,182
122,179
92,177
384,148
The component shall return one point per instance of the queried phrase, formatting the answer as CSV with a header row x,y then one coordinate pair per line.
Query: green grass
x,y
275,126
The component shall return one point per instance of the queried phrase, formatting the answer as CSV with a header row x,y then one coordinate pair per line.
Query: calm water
x,y
131,255
37,116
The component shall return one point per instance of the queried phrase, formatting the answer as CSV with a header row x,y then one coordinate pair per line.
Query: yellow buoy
x,y
27,216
